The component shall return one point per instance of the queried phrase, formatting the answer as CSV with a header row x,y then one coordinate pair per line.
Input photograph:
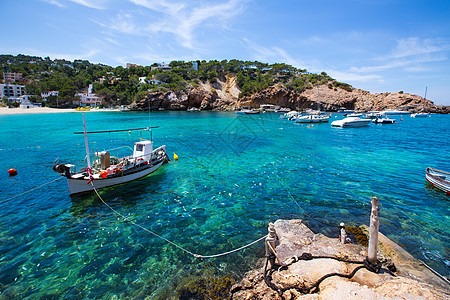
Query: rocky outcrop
x,y
224,95
410,280
331,99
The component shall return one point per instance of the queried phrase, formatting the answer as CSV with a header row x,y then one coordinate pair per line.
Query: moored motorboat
x,y
312,119
290,115
351,122
420,115
384,120
373,115
107,170
439,179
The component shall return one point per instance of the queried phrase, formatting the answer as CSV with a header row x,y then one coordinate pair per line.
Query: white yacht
x,y
351,122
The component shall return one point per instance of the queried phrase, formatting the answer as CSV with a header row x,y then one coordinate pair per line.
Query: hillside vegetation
x,y
216,85
122,86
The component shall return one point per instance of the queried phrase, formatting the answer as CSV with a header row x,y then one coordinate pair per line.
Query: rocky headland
x,y
225,95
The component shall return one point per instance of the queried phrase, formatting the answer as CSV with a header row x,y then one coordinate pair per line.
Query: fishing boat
x,y
107,170
438,179
384,120
351,122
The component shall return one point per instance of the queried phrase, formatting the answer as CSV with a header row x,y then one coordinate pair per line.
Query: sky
x,y
375,45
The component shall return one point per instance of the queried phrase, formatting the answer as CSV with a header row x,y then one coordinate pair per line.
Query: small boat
x,y
312,119
108,170
251,112
351,122
283,110
394,112
354,115
373,115
438,179
420,115
384,120
193,109
290,115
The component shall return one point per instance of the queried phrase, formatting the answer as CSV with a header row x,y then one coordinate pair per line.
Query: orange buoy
x,y
12,172
104,174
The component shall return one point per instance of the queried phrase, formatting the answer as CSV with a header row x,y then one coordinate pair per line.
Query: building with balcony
x,y
11,90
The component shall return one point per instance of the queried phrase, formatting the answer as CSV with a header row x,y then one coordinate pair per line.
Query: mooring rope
x,y
31,190
366,264
168,241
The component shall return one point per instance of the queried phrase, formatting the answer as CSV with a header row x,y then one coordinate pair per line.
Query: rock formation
x,y
224,95
410,280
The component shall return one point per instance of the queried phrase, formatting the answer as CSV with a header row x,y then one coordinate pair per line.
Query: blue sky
x,y
375,45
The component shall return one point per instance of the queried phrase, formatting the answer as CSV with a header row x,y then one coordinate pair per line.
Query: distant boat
x,y
384,120
373,115
193,109
394,112
314,116
312,119
351,122
283,110
290,115
354,115
438,179
420,115
108,170
251,112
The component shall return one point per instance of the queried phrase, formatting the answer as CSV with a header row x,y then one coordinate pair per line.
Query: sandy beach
x,y
45,110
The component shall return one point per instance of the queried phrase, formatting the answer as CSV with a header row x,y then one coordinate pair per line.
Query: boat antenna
x,y
151,131
86,143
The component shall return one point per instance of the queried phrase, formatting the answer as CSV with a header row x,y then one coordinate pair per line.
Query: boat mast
x,y
318,105
86,143
426,92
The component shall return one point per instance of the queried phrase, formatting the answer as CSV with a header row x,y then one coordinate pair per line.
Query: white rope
x,y
31,190
168,241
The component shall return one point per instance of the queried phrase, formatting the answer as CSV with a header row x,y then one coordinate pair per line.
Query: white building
x,y
88,99
12,90
47,94
162,67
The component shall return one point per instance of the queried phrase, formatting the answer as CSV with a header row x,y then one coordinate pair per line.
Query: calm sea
x,y
235,174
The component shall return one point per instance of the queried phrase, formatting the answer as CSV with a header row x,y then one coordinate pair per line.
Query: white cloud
x,y
273,54
96,4
54,2
87,54
180,19
409,54
413,46
352,77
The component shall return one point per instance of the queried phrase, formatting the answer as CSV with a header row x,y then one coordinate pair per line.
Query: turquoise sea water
x,y
235,174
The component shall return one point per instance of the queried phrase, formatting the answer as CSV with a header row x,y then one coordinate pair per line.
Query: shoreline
x,y
45,110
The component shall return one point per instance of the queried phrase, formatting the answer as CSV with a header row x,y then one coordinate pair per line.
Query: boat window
x,y
139,147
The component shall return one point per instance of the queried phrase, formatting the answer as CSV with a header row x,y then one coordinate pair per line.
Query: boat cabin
x,y
143,149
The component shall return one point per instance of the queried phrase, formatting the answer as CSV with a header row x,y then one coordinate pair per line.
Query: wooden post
x,y
373,232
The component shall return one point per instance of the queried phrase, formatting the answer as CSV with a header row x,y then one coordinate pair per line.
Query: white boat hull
x,y
439,179
83,185
351,122
312,120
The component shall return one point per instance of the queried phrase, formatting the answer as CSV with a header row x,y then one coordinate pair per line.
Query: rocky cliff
x,y
224,95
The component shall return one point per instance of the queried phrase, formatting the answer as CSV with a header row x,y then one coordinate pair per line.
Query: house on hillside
x,y
162,67
88,99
